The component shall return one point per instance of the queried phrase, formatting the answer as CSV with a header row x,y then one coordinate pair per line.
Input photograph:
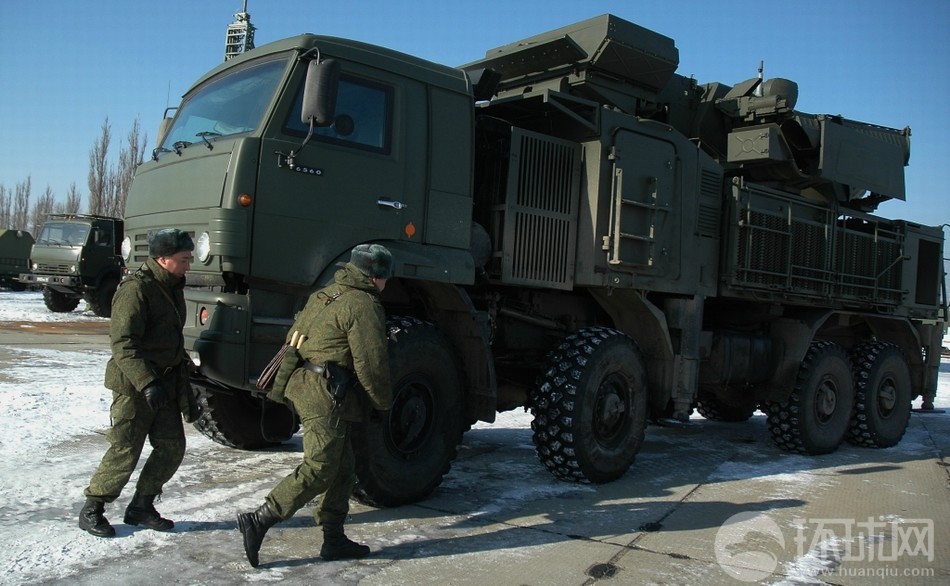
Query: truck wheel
x,y
237,419
590,407
713,409
100,301
402,454
816,416
882,402
59,302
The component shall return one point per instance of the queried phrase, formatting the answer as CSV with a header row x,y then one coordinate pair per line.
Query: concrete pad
x,y
704,503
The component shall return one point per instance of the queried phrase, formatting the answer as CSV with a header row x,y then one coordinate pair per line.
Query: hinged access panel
x,y
537,220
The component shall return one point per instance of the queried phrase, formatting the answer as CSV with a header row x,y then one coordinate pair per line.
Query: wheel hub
x,y
826,400
609,413
887,396
410,418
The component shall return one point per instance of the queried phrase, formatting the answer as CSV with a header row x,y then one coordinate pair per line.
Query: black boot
x,y
253,526
141,511
336,545
92,520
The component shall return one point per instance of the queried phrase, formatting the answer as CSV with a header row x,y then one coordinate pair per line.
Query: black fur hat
x,y
168,242
373,260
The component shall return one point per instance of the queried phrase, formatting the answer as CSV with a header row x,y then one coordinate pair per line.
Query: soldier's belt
x,y
339,379
314,368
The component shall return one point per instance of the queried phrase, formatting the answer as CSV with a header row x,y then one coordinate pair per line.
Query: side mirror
x,y
484,83
319,92
165,124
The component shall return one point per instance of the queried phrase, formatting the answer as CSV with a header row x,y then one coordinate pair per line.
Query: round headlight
x,y
127,249
203,247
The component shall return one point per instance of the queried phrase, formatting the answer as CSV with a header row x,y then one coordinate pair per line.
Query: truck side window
x,y
103,236
363,116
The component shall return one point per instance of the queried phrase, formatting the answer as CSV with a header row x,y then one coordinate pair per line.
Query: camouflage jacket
x,y
148,314
344,323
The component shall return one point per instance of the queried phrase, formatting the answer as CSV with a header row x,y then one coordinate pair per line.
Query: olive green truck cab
x,y
576,229
76,257
14,257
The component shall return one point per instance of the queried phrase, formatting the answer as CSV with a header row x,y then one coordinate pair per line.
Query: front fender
x,y
413,260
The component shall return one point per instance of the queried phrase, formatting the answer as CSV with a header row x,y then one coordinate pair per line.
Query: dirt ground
x,y
91,327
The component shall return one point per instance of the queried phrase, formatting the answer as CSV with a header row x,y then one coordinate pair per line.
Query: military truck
x,y
77,257
576,229
14,257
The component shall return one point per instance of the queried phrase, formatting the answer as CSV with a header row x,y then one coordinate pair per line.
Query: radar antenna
x,y
240,37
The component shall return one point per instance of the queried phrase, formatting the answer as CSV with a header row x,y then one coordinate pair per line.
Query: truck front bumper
x,y
60,280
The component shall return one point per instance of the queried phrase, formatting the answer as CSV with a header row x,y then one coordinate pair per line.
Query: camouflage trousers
x,y
132,423
328,468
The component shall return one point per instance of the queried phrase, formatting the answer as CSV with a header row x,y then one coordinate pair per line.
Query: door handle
x,y
396,205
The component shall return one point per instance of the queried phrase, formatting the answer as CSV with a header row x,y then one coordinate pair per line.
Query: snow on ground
x,y
54,414
28,306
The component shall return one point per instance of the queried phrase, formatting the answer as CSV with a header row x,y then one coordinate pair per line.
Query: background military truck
x,y
77,257
576,229
14,257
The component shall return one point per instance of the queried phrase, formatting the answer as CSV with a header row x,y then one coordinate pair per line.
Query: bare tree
x,y
111,189
6,204
21,206
73,200
43,207
130,157
99,171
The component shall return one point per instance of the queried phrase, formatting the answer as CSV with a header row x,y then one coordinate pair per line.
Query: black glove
x,y
155,396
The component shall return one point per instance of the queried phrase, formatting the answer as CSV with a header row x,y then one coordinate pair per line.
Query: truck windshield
x,y
228,104
64,234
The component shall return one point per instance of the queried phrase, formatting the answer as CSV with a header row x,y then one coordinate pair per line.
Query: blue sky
x,y
66,66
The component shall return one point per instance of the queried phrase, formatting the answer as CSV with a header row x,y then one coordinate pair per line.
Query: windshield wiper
x,y
157,150
204,136
179,145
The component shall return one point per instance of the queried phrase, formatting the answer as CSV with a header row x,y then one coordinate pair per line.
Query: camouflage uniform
x,y
344,323
147,345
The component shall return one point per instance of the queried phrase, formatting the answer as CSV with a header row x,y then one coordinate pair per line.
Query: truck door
x,y
644,216
360,179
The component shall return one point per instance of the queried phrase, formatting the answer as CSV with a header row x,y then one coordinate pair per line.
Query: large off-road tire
x,y
237,419
59,302
403,454
713,409
590,406
100,300
883,399
816,416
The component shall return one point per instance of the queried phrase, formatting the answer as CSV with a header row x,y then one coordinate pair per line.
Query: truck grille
x,y
538,219
797,248
710,190
139,248
52,269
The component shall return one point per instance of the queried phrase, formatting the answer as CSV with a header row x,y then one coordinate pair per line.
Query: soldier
x,y
148,378
344,325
